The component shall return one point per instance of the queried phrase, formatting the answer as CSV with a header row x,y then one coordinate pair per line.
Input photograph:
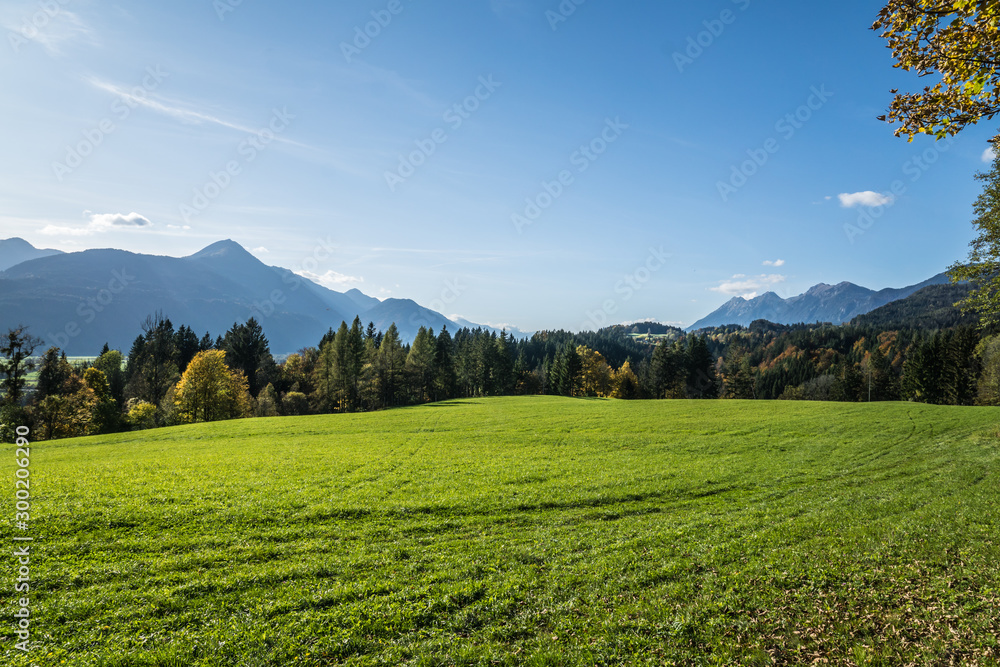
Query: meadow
x,y
521,531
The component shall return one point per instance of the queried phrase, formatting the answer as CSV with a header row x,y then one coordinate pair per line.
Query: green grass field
x,y
522,531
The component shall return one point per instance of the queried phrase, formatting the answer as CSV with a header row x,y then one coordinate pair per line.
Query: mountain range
x,y
78,301
821,303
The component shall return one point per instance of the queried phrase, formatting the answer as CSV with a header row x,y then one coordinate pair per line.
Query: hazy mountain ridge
x,y
78,301
820,303
16,250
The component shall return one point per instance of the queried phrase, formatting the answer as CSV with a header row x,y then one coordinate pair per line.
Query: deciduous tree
x,y
958,43
210,391
982,268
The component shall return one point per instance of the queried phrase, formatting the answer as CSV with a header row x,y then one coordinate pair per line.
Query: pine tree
x,y
503,365
667,371
420,365
739,377
444,366
701,378
152,368
354,363
187,345
566,371
324,377
247,349
389,367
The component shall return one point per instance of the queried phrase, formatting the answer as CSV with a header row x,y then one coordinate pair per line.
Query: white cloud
x,y
748,286
111,220
332,279
777,262
866,198
260,251
101,222
989,155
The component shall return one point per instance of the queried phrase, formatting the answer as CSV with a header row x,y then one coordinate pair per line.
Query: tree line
x,y
172,376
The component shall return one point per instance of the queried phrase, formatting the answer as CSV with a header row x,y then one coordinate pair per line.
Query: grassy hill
x,y
522,531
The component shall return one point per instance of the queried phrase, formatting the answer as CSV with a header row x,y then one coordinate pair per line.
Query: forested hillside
x,y
171,375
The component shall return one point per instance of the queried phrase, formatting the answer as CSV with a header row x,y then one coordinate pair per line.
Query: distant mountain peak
x,y
221,248
15,250
820,303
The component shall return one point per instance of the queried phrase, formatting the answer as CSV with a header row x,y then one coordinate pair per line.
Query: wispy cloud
x,y
748,286
185,113
51,27
867,198
172,109
100,223
776,262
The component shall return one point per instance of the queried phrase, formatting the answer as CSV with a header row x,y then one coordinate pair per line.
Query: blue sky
x,y
524,162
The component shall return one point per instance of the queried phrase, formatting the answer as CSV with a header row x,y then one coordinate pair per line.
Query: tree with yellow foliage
x,y
625,383
210,391
595,378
